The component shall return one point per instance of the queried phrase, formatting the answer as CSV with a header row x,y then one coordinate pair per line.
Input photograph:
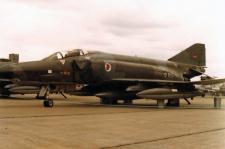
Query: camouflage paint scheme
x,y
111,77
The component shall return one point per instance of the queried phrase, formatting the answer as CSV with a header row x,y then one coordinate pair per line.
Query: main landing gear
x,y
173,103
44,94
108,101
5,95
128,102
170,103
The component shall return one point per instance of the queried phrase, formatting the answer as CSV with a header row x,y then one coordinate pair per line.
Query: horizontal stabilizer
x,y
209,82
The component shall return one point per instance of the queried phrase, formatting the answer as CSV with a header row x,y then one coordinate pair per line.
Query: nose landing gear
x,y
44,94
48,103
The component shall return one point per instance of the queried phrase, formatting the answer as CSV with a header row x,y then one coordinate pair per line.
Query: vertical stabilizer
x,y
194,55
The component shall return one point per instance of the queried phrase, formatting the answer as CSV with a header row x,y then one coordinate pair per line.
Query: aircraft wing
x,y
151,81
209,82
202,82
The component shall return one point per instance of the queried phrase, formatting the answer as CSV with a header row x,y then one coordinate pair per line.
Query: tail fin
x,y
194,55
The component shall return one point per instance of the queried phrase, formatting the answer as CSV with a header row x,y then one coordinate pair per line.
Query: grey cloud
x,y
95,42
55,5
37,3
131,24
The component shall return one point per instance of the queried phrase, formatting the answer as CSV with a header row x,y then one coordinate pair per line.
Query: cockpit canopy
x,y
66,54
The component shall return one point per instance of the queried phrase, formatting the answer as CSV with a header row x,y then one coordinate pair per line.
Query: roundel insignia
x,y
108,67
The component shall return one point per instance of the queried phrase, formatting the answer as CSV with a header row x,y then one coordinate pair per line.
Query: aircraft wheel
x,y
114,102
173,103
104,101
108,101
4,95
48,103
128,102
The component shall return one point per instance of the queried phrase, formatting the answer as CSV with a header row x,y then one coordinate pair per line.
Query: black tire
x,y
114,102
173,103
107,101
5,95
48,103
104,101
128,102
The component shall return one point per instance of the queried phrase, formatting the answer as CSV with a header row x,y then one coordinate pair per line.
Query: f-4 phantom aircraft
x,y
110,77
215,89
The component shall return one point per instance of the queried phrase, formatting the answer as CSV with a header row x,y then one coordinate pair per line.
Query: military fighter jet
x,y
110,77
215,89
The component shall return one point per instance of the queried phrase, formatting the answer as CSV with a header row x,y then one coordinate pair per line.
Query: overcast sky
x,y
147,28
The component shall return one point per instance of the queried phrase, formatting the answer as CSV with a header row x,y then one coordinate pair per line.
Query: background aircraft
x,y
108,76
215,89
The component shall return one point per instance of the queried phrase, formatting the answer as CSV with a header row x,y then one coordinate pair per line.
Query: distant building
x,y
14,58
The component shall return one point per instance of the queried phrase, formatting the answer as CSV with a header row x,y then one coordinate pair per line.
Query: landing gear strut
x,y
161,103
44,94
187,101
